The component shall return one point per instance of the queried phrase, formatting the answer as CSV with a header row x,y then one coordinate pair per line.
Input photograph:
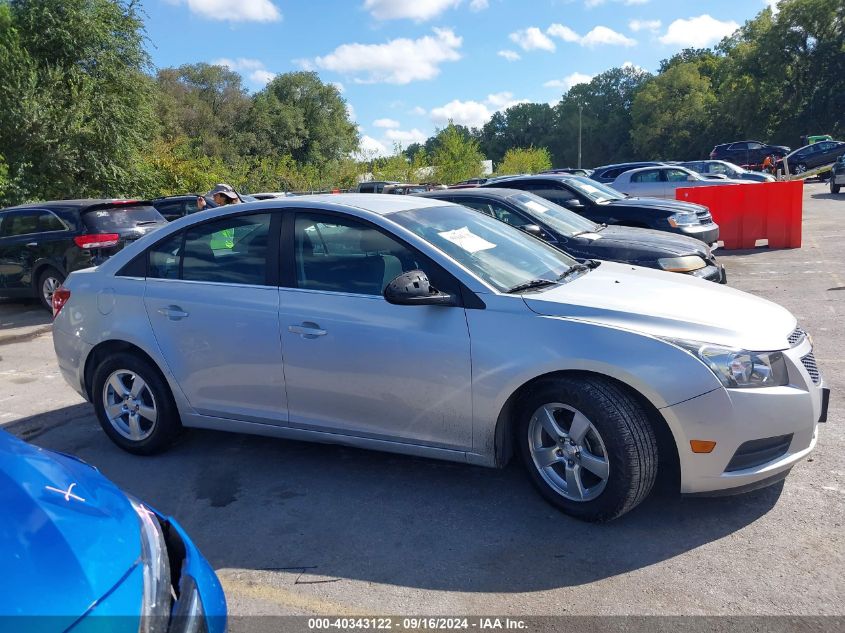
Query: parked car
x,y
724,169
608,173
584,239
470,182
661,182
837,175
605,205
106,560
175,207
403,189
811,156
272,195
41,243
374,186
747,153
422,327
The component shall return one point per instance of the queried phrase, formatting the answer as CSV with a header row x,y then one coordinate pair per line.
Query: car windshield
x,y
561,220
596,191
117,217
497,253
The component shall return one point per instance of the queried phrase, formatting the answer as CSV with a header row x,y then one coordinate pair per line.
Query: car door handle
x,y
174,313
307,330
32,244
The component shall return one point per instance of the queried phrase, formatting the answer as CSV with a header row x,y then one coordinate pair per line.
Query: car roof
x,y
381,204
500,193
78,204
557,177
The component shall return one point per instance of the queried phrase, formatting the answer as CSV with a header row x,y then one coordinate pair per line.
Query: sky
x,y
407,67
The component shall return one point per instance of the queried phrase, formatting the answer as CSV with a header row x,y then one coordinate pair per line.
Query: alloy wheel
x,y
568,452
48,287
129,405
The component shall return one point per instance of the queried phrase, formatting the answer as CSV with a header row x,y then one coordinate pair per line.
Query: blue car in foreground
x,y
78,554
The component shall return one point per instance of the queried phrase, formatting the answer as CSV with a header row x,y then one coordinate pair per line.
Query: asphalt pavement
x,y
295,528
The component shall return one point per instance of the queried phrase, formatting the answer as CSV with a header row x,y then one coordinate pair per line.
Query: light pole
x,y
580,112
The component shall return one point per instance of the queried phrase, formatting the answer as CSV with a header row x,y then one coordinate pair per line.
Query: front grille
x,y
758,452
704,216
809,362
797,336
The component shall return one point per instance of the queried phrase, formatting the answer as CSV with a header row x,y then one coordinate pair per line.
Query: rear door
x,y
649,183
212,299
28,237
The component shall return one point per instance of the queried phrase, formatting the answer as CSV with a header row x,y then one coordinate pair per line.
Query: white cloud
x,y
645,25
570,80
370,146
597,3
474,113
386,123
563,32
406,137
531,39
478,5
418,111
252,69
418,10
602,35
399,61
235,10
509,55
633,66
350,111
698,32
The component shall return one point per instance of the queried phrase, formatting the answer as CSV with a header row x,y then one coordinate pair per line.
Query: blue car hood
x,y
68,536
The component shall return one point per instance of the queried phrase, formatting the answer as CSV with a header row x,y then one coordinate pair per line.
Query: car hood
x,y
660,243
657,204
59,554
668,305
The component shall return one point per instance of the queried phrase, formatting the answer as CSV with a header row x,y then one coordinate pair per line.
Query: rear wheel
x,y
134,404
834,188
48,282
588,447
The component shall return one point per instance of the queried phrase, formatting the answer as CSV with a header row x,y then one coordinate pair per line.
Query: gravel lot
x,y
295,528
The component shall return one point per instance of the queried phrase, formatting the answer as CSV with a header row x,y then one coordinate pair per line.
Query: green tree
x,y
298,114
672,114
522,125
401,167
456,157
520,160
76,102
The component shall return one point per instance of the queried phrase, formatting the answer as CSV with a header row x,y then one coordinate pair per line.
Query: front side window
x,y
496,210
676,175
339,254
20,224
501,255
231,250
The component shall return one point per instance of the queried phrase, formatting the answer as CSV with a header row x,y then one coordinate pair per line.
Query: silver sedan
x,y
421,327
661,182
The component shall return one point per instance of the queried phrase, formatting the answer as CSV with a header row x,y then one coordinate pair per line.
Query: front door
x,y
357,365
213,303
19,246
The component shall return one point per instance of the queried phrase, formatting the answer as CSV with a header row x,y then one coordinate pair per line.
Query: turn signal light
x,y
60,297
97,240
702,446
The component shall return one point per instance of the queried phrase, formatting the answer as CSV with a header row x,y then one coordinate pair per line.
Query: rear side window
x,y
367,189
121,217
48,222
232,250
652,175
614,173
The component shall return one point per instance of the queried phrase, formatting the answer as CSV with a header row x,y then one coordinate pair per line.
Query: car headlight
x,y
188,616
156,599
683,218
738,368
685,264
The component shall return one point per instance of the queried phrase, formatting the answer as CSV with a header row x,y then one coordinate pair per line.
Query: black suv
x,y
748,154
812,156
604,205
42,243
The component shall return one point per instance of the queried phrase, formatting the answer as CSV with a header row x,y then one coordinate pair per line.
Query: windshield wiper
x,y
146,222
528,285
587,266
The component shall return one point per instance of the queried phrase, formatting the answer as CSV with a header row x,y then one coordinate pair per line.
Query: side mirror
x,y
573,203
534,230
414,289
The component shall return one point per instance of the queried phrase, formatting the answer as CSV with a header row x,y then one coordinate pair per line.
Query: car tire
x,y
800,168
49,280
603,462
834,188
141,418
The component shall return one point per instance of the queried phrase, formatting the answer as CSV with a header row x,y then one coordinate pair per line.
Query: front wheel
x,y
134,404
834,188
588,446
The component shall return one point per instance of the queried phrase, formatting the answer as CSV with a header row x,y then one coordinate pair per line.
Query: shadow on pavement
x,y
827,196
256,503
22,316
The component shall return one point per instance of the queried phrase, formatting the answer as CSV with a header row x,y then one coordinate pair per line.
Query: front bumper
x,y
707,233
711,272
734,417
839,179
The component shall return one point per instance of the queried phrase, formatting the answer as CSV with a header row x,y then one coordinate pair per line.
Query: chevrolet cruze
x,y
418,326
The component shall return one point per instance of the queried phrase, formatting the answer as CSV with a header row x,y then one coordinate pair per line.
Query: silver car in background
x,y
661,182
422,327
